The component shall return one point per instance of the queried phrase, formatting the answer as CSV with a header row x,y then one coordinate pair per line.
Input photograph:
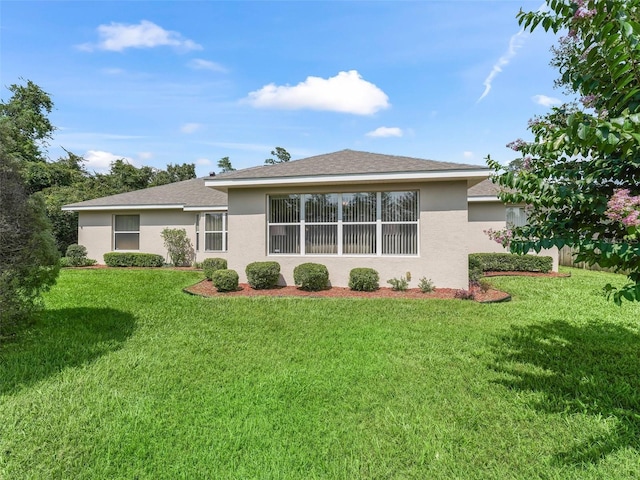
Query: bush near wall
x,y
225,280
311,276
507,262
262,275
124,259
364,279
211,265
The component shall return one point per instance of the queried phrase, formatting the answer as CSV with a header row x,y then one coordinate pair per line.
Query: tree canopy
x,y
281,155
580,176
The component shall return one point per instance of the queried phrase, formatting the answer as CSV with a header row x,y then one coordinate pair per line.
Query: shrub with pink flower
x,y
503,237
624,208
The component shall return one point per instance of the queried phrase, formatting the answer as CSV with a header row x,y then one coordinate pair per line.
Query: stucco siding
x,y
442,252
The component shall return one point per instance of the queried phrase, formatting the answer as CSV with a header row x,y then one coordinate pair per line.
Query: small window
x,y
126,232
197,232
215,232
516,217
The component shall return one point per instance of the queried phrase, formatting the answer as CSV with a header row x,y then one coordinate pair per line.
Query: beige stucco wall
x,y
442,248
96,233
492,215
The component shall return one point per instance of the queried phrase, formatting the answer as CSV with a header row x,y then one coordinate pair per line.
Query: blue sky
x,y
180,81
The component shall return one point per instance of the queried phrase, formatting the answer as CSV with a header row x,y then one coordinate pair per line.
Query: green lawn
x,y
124,376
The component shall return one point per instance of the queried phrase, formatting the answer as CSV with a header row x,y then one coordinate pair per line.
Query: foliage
x,y
133,259
507,262
261,275
225,280
399,284
76,251
311,276
282,156
224,164
364,279
178,246
29,260
584,154
475,268
76,256
464,295
426,285
211,265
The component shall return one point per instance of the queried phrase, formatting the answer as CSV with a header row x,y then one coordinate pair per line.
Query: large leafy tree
x,y
580,176
282,156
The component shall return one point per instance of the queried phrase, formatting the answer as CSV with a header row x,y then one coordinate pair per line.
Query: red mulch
x,y
206,289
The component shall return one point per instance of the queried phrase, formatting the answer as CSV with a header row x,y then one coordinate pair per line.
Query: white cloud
x,y
100,161
112,71
116,37
347,92
468,155
546,101
385,132
145,155
200,64
203,161
190,127
515,42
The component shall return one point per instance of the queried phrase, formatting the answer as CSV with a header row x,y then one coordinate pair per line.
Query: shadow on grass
x,y
592,369
61,339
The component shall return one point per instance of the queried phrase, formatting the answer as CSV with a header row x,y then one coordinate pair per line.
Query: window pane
x,y
321,239
284,239
516,217
399,239
127,223
399,206
359,239
359,207
213,241
284,209
213,222
321,208
127,241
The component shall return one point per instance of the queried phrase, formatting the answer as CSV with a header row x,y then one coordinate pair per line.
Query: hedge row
x,y
124,259
507,262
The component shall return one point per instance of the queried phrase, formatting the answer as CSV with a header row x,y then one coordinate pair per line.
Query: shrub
x,y
132,259
475,268
178,246
225,280
76,251
426,285
398,284
508,262
76,257
364,279
464,295
261,275
311,276
210,265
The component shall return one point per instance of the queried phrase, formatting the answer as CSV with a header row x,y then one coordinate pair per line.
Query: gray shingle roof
x,y
189,193
485,188
345,162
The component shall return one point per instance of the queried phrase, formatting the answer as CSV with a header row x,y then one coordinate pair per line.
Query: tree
x,y
28,255
178,246
580,176
281,155
224,164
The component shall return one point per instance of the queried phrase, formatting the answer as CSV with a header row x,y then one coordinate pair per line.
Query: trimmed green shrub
x,y
76,251
364,279
76,257
508,262
210,265
398,284
178,246
311,276
132,259
225,280
475,268
261,275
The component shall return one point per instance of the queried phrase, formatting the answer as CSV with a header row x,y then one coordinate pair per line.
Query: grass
x,y
125,376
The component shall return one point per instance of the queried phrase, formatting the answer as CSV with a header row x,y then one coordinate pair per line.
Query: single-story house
x,y
346,209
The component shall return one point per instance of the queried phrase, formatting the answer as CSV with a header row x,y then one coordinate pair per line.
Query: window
x,y
363,223
516,217
197,232
215,232
126,232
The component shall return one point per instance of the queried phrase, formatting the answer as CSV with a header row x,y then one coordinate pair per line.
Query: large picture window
x,y
215,232
126,232
516,217
362,223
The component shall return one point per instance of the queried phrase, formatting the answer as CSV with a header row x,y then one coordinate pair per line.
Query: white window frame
x,y
224,232
117,232
521,214
301,224
197,232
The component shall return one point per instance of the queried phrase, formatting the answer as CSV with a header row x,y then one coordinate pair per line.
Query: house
x,y
345,209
